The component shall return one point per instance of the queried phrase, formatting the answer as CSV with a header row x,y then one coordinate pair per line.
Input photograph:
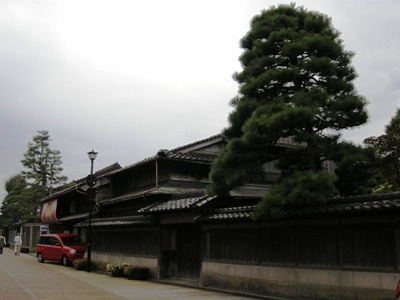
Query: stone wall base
x,y
300,283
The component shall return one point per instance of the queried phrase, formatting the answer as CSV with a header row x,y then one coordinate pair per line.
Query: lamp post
x,y
92,156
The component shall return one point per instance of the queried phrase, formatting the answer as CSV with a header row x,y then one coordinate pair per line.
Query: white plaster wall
x,y
132,260
286,275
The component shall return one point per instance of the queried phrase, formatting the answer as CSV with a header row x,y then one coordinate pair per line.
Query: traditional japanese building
x,y
155,213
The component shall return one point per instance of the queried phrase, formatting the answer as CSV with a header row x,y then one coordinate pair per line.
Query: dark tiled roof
x,y
229,214
351,204
75,217
124,197
250,191
102,172
343,208
169,154
131,166
194,157
177,153
191,145
178,204
366,198
118,221
175,189
76,184
337,206
57,194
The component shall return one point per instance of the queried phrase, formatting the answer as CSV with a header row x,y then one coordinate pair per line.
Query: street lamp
x,y
91,180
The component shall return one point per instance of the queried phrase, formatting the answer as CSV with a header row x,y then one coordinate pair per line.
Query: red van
x,y
62,247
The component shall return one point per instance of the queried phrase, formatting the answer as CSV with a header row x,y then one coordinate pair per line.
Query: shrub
x,y
116,269
80,264
138,273
101,266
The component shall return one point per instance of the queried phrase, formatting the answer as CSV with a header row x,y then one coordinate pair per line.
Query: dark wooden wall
x,y
138,242
351,246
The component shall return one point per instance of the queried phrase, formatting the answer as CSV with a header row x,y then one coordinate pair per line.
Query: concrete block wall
x,y
300,282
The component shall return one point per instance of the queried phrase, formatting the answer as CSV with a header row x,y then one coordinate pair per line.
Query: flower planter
x,y
117,273
116,269
138,273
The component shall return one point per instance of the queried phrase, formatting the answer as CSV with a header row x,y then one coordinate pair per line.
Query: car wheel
x,y
40,257
64,260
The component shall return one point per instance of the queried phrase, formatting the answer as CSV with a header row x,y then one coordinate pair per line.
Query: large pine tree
x,y
296,82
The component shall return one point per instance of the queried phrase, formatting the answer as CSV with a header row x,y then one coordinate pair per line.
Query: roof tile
x,y
178,204
228,214
118,221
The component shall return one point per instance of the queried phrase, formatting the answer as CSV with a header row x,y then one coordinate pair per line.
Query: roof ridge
x,y
165,152
236,208
184,203
102,172
219,135
127,167
114,165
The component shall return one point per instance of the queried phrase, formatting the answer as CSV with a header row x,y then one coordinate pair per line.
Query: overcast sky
x,y
127,78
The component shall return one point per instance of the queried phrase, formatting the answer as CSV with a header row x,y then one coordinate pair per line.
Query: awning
x,y
176,205
250,191
75,217
228,214
49,212
118,221
177,189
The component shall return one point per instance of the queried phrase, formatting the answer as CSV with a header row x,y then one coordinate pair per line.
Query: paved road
x,y
23,278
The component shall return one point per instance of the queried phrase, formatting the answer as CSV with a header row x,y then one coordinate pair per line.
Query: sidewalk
x,y
53,277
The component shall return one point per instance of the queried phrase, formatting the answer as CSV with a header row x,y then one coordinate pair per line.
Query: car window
x,y
53,240
47,240
72,240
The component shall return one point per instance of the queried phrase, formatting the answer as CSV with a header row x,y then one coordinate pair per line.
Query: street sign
x,y
44,227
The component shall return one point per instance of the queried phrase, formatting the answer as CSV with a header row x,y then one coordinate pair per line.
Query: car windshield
x,y
72,240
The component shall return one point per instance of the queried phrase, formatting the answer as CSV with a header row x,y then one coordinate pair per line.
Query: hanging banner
x,y
49,212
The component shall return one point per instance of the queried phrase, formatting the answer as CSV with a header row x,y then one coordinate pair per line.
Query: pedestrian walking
x,y
17,244
3,243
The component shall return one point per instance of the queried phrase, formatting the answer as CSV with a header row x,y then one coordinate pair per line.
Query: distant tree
x,y
297,81
43,164
16,182
21,201
387,148
25,190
